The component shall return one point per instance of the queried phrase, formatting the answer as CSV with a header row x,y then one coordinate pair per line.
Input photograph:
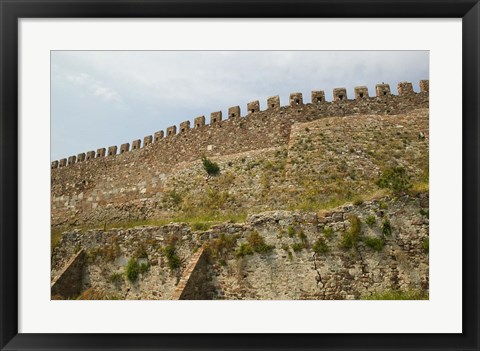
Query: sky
x,y
105,98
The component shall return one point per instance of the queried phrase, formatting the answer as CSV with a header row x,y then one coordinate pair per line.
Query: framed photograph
x,y
217,175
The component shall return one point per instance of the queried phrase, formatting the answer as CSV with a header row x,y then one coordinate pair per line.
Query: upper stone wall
x,y
340,105
137,182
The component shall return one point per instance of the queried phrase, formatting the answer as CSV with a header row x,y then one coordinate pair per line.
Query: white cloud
x,y
95,87
110,97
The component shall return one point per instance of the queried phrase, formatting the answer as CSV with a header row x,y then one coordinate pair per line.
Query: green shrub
x,y
301,235
211,167
201,226
132,270
244,249
144,267
371,220
175,197
386,228
220,247
358,201
320,246
426,245
424,212
116,278
257,243
328,232
297,247
397,295
350,238
396,179
375,243
291,231
173,260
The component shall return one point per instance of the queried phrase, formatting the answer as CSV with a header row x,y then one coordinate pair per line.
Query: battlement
x,y
406,94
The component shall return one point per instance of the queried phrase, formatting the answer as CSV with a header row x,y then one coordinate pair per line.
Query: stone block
x,y
318,97
90,155
147,140
124,148
81,157
101,152
273,102
171,131
339,94
234,112
136,144
361,92
72,160
184,126
405,88
159,136
296,99
425,86
215,117
253,106
199,121
112,151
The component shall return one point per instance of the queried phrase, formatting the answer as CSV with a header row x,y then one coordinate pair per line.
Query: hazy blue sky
x,y
104,98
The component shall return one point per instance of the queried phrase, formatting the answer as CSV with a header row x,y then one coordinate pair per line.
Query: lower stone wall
x,y
195,283
350,252
68,282
379,260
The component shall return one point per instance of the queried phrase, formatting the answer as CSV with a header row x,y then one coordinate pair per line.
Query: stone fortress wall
x,y
211,268
138,172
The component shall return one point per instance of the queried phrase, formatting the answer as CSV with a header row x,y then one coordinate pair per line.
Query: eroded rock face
x,y
305,255
264,171
300,156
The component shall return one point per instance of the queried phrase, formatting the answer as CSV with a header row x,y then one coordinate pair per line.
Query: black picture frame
x,y
11,11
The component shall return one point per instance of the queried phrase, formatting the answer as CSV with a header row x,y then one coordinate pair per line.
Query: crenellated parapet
x,y
215,117
171,131
361,92
100,152
184,126
112,150
339,94
253,106
234,112
296,99
340,106
273,102
199,121
318,97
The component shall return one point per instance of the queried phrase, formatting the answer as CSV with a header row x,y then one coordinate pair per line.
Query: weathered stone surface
x,y
68,282
284,272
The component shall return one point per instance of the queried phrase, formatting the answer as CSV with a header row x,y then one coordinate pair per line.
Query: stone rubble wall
x,y
136,185
68,281
283,272
195,284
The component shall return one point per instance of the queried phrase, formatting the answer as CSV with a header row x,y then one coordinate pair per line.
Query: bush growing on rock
x,y
320,246
257,243
351,237
396,179
211,167
170,254
132,270
376,244
244,249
